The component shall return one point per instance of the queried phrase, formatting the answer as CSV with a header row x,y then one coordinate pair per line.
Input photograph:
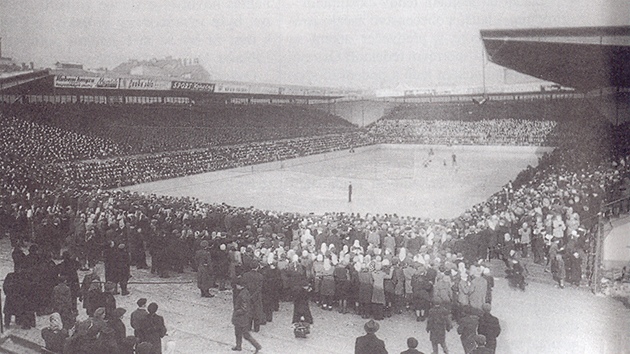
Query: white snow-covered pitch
x,y
401,179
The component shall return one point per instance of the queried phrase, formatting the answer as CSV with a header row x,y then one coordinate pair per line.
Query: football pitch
x,y
386,179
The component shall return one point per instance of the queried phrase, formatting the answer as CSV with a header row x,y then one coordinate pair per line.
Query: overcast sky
x,y
342,43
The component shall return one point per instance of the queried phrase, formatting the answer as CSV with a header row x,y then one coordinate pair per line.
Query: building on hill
x,y
66,65
181,68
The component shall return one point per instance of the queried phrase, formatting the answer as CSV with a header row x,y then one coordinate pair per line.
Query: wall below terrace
x,y
361,113
615,107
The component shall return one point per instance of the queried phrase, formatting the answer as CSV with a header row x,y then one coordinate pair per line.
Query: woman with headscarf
x,y
327,288
54,335
378,290
365,290
318,268
342,284
356,247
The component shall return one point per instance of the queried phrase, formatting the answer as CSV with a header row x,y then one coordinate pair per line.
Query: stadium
x,y
417,208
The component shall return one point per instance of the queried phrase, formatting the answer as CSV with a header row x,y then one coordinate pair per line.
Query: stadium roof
x,y
584,58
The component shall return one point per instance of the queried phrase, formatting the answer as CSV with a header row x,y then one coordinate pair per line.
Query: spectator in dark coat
x,y
109,300
253,281
91,293
152,329
62,303
44,279
68,268
220,261
272,287
489,327
242,316
117,325
117,267
138,316
370,343
14,301
467,331
300,304
203,260
438,324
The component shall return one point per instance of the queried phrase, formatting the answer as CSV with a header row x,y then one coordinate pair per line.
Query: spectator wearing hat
x,y
117,325
138,316
152,329
370,343
253,281
412,344
204,269
489,327
242,316
438,323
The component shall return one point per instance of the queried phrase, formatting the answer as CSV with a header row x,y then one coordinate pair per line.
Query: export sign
x,y
192,86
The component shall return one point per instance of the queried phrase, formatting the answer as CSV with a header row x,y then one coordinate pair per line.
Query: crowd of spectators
x,y
26,140
373,265
456,132
122,171
159,128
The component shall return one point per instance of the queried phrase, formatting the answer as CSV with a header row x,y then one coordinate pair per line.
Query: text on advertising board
x,y
192,86
146,84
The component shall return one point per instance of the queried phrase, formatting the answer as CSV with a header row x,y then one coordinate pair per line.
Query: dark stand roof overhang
x,y
584,58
